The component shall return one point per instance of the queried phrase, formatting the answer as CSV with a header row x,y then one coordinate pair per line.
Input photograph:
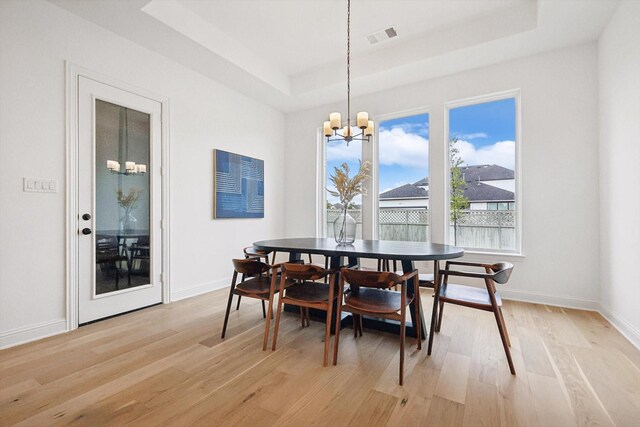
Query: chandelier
x,y
331,127
130,168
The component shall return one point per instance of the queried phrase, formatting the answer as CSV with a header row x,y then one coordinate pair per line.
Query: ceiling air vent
x,y
382,35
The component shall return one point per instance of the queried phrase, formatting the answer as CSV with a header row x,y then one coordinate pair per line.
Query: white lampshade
x,y
369,129
141,168
335,120
113,165
362,119
327,129
130,166
346,131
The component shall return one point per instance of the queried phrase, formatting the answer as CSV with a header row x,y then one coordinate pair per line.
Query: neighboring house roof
x,y
479,192
475,190
486,173
406,191
478,173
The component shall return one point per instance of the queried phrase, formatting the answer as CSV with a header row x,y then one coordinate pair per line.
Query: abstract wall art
x,y
238,186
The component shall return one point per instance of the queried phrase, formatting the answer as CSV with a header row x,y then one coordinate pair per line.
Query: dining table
x,y
350,255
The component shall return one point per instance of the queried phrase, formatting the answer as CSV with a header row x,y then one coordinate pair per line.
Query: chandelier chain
x,y
348,62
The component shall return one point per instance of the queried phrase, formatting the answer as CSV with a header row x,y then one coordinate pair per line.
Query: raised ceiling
x,y
291,53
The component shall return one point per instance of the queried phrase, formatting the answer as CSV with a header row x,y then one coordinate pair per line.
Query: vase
x,y
128,222
344,228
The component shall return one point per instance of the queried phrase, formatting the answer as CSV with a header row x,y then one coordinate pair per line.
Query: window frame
x,y
481,99
321,178
375,177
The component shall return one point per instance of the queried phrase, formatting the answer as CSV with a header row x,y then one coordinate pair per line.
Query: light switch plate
x,y
35,185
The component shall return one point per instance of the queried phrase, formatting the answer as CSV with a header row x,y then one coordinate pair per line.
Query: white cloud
x,y
502,153
471,136
398,147
421,129
341,153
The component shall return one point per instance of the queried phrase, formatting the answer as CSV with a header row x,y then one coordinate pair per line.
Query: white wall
x,y
619,82
35,40
559,165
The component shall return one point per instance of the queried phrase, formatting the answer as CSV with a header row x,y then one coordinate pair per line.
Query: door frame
x,y
73,72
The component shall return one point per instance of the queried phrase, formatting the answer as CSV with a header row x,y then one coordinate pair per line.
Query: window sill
x,y
477,254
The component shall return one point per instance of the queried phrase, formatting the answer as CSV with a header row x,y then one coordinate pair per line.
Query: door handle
x,y
86,217
86,231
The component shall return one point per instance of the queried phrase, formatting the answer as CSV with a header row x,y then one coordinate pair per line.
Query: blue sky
x,y
404,151
484,124
486,134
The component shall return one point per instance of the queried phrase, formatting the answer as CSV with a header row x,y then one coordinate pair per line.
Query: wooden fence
x,y
475,229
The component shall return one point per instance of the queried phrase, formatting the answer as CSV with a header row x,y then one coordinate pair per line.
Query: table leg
x,y
335,262
407,266
294,256
436,299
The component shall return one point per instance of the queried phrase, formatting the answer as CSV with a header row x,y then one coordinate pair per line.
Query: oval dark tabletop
x,y
382,249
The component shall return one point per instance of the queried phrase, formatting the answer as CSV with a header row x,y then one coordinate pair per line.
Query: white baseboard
x,y
548,299
630,332
32,333
199,289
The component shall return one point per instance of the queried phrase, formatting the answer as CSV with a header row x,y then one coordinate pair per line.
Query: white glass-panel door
x,y
119,200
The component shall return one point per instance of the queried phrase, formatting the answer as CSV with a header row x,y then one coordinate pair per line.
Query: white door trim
x,y
73,72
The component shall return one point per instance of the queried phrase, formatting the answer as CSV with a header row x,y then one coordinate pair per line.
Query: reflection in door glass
x,y
121,198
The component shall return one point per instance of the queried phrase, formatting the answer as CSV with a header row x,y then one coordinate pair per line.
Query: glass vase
x,y
128,222
344,228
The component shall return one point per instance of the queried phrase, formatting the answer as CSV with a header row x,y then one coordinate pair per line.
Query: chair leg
x,y
503,336
239,296
402,335
302,316
504,325
354,318
436,300
418,310
264,310
129,262
269,312
360,324
432,329
439,324
327,327
277,325
226,315
336,339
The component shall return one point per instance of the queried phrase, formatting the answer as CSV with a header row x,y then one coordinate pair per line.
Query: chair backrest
x,y
250,266
303,271
142,241
106,243
251,251
501,272
370,279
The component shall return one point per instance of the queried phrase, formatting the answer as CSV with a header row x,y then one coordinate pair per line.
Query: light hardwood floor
x,y
168,366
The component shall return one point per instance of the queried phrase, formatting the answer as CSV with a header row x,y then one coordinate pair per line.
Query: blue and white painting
x,y
238,186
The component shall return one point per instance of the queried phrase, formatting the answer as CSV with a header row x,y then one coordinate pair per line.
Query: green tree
x,y
458,201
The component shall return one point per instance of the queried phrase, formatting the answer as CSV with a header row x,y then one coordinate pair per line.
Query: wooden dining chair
x,y
256,280
370,294
251,252
479,298
306,292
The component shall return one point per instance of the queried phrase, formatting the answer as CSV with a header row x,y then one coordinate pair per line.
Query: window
x,y
336,153
403,178
482,166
